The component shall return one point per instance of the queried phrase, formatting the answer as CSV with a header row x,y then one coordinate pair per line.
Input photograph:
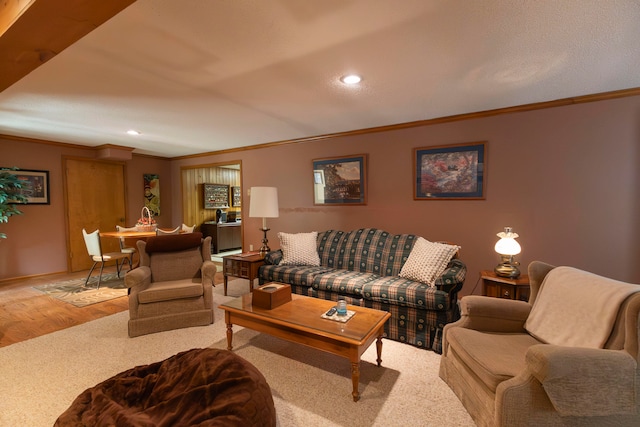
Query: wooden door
x,y
95,199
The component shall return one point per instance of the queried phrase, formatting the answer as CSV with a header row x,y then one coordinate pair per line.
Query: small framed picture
x,y
340,180
35,187
450,172
216,196
236,197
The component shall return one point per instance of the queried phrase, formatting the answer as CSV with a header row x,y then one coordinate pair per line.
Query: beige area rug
x,y
74,291
41,377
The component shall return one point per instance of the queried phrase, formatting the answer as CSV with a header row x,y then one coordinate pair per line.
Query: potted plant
x,y
10,194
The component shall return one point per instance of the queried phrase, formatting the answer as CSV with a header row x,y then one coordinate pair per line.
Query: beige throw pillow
x,y
427,261
299,249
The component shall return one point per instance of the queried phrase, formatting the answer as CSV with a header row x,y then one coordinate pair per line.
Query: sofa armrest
x,y
452,278
273,257
492,314
140,276
585,381
208,271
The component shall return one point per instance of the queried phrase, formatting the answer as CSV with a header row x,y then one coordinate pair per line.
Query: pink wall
x,y
565,178
36,242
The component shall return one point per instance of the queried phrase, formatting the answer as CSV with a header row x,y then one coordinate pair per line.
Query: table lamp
x,y
264,204
507,247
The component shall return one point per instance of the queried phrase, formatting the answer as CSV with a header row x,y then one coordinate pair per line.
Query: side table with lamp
x,y
505,281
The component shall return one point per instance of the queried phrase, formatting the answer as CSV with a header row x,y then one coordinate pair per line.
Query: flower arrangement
x,y
146,221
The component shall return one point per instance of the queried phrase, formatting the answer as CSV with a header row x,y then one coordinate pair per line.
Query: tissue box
x,y
271,295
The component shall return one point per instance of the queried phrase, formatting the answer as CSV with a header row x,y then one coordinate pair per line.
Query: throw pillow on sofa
x,y
299,249
427,261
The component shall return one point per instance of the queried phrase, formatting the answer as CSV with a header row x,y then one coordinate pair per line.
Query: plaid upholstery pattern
x,y
452,278
421,328
344,282
332,296
291,274
273,257
363,266
367,250
396,290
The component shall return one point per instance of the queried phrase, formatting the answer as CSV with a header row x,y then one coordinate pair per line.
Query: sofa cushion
x,y
299,249
291,274
344,282
404,292
368,250
427,261
493,357
171,290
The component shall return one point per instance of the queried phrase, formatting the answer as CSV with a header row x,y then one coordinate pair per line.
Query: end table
x,y
505,287
243,266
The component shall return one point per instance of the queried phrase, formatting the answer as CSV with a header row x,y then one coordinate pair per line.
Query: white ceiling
x,y
198,76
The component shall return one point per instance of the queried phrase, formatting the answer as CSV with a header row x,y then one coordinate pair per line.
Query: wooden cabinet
x,y
505,287
224,236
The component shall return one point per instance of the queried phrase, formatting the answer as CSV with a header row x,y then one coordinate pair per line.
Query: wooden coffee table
x,y
299,321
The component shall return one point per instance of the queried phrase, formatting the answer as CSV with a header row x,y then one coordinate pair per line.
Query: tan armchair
x,y
173,286
552,361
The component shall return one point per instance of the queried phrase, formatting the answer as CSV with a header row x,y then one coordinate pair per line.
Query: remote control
x,y
332,311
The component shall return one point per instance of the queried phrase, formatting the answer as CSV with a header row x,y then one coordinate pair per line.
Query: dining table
x,y
128,234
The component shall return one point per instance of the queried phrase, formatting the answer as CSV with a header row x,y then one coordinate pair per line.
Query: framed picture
x,y
340,180
450,172
236,197
216,196
152,192
36,186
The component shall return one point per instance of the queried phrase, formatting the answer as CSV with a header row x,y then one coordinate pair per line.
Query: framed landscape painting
x,y
340,180
450,172
35,187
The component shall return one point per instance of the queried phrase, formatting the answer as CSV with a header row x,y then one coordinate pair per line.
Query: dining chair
x,y
160,232
123,246
94,248
187,229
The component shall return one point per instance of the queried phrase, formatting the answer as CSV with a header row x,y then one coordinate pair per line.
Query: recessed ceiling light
x,y
351,79
133,132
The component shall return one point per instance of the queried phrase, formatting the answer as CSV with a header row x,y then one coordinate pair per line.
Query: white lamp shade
x,y
263,202
508,246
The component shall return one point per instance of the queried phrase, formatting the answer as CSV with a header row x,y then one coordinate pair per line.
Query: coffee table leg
x,y
379,350
229,336
226,278
355,379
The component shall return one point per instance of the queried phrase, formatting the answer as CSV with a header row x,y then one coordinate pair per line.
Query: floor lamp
x,y
263,203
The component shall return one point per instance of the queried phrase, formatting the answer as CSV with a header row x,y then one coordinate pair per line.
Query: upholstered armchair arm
x,y
140,276
136,280
209,271
585,381
492,314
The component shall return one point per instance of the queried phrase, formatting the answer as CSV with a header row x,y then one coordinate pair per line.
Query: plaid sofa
x,y
363,266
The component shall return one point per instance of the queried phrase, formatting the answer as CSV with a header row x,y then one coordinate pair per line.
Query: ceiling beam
x,y
34,31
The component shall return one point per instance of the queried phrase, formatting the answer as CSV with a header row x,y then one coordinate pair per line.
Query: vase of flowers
x,y
146,221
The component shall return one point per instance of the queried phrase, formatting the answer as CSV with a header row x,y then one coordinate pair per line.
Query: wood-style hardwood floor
x,y
26,313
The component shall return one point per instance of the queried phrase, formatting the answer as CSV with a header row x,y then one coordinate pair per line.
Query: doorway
x,y
226,178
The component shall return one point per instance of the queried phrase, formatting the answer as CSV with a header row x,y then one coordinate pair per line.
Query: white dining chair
x,y
160,232
187,229
94,248
129,250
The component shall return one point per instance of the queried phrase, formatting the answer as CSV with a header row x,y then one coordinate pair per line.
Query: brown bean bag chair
x,y
199,387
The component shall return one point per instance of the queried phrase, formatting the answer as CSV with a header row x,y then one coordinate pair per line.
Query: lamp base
x,y
264,249
507,270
